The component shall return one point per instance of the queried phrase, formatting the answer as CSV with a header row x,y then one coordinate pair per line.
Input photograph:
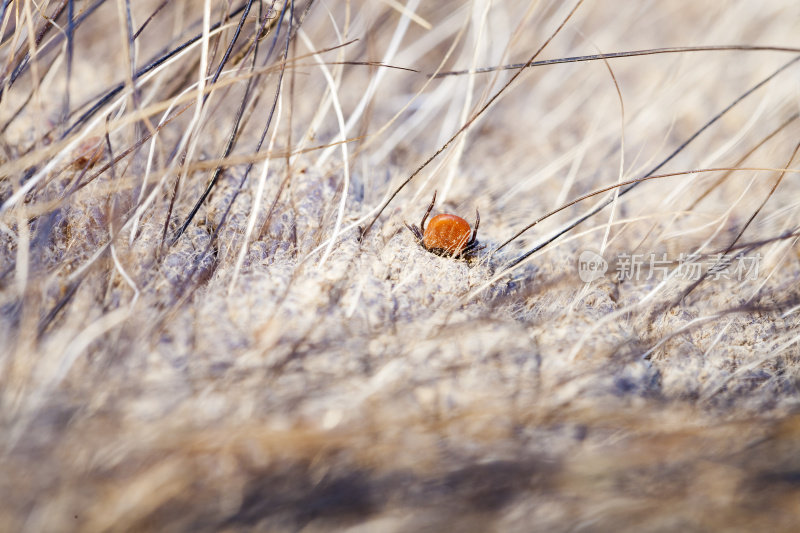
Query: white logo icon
x,y
591,266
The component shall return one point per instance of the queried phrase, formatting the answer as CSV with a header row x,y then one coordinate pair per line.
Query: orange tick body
x,y
446,232
447,235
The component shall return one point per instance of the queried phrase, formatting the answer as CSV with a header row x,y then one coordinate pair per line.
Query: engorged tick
x,y
447,235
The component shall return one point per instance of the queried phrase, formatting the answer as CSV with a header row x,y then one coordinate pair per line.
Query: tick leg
x,y
471,249
428,212
415,230
475,231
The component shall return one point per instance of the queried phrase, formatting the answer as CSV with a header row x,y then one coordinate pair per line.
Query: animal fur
x,y
268,370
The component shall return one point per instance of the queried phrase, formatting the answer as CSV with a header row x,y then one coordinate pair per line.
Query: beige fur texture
x,y
267,369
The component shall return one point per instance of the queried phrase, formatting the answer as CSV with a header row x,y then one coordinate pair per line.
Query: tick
x,y
447,235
